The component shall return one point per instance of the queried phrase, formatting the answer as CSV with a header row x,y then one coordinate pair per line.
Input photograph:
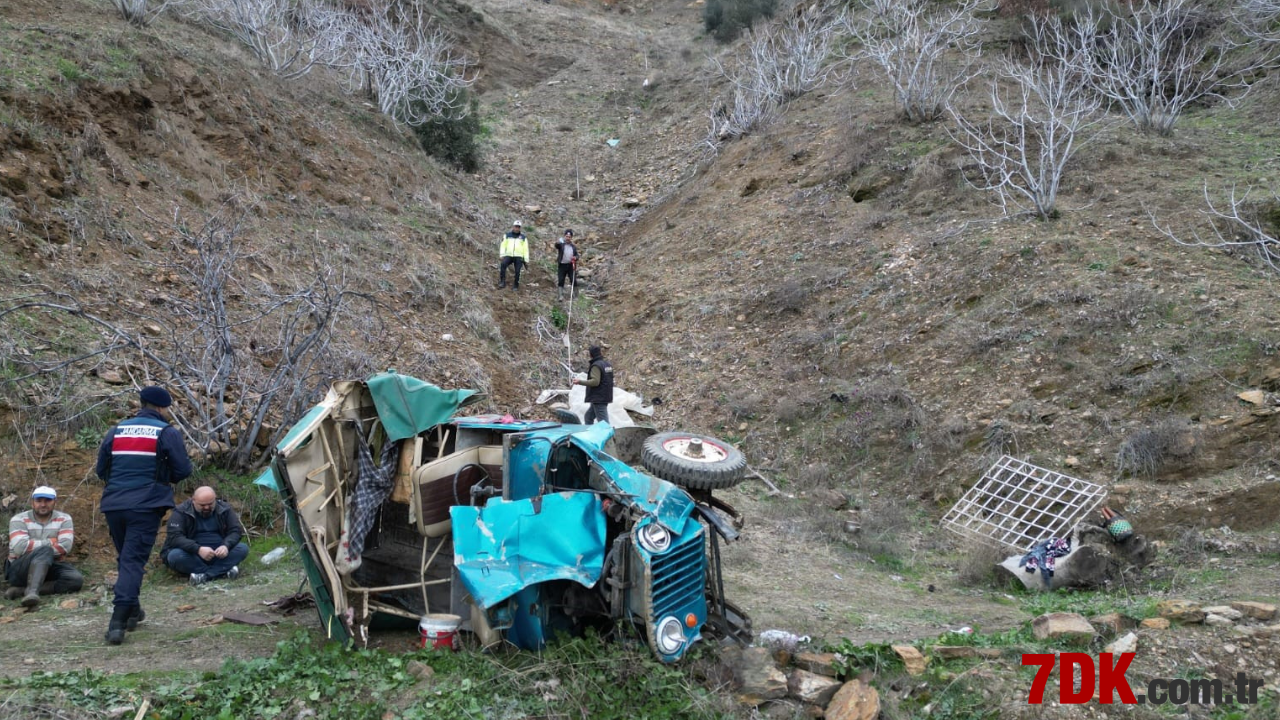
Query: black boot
x,y
119,618
35,577
136,615
14,593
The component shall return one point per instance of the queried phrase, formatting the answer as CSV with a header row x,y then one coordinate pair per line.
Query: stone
x,y
755,676
1112,623
1085,566
1223,611
855,700
1157,623
818,663
1072,461
989,653
420,671
1253,397
1217,621
1126,644
955,652
1255,610
69,604
812,687
1183,611
778,710
1065,625
110,376
912,658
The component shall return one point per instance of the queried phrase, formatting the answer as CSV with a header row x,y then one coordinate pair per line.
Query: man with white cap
x,y
39,540
140,459
514,250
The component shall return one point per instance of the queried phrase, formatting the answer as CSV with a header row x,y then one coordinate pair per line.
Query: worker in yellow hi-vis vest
x,y
513,251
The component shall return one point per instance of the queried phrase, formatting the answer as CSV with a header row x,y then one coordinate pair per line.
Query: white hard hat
x,y
517,224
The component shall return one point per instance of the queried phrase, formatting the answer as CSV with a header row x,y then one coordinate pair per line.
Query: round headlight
x,y
654,538
670,636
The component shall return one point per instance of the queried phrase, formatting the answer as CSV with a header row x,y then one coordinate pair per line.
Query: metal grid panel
x,y
1019,504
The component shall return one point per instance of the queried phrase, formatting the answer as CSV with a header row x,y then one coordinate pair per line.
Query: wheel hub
x,y
695,449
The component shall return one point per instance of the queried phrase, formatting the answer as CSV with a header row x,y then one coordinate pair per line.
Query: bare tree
x,y
1157,58
1259,20
1240,224
778,62
1042,110
235,354
277,32
141,13
926,50
397,55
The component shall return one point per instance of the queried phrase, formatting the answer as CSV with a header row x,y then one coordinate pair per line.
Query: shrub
x,y
452,139
726,19
1161,446
977,567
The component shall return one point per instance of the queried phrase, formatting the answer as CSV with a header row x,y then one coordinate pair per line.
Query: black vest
x,y
602,393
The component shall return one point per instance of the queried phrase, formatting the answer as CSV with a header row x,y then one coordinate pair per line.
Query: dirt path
x,y
182,629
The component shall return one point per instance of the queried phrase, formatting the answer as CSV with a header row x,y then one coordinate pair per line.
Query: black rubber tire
x,y
695,474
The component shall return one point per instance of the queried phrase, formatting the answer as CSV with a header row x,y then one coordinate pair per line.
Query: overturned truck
x,y
520,528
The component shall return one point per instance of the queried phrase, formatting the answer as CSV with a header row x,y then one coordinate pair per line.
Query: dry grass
x,y
1167,445
978,561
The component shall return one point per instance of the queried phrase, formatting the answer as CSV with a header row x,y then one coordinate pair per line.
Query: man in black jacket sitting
x,y
203,539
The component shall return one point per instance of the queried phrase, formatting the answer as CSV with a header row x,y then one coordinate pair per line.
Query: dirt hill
x,y
827,292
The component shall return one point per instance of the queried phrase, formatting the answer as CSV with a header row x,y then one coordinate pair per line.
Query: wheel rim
x,y
685,448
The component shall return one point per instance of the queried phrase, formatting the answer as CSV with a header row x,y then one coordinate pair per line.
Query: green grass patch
x,y
594,678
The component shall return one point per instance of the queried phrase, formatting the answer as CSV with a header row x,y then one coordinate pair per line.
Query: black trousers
x,y
502,268
134,534
564,270
64,576
598,412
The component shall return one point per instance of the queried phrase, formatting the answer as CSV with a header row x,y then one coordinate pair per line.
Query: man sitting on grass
x,y
203,540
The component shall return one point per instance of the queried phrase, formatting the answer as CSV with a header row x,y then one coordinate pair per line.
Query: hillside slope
x,y
827,292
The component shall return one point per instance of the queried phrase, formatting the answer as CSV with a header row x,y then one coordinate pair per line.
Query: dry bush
x,y
813,476
1168,444
744,404
978,561
883,522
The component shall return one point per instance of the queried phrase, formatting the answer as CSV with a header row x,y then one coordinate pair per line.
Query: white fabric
x,y
623,402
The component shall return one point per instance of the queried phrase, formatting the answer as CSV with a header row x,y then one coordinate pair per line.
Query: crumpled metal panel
x,y
509,545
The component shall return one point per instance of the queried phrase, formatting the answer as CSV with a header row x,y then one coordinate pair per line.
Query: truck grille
x,y
679,577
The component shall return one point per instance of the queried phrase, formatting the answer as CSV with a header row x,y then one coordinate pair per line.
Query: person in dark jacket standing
x,y
599,385
139,460
566,263
202,539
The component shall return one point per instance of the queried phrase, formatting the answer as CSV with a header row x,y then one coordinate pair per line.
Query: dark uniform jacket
x,y
139,460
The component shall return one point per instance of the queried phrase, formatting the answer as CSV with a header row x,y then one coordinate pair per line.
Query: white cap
x,y
44,491
517,224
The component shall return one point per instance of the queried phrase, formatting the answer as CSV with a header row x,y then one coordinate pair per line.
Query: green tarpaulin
x,y
408,406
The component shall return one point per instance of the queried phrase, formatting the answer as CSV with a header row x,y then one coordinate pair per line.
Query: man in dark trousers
x,y
140,459
566,263
599,384
202,539
514,250
39,540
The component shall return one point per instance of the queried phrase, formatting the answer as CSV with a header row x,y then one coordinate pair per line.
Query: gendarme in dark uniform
x,y
599,384
140,459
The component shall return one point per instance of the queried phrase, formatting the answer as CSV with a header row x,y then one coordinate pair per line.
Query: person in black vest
x,y
599,384
139,460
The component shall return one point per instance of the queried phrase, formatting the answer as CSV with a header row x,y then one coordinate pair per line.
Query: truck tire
x,y
670,456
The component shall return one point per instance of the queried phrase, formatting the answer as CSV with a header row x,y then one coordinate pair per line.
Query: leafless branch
x,y
1155,59
777,63
1237,224
277,32
927,51
1042,112
236,355
1259,20
397,55
141,13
